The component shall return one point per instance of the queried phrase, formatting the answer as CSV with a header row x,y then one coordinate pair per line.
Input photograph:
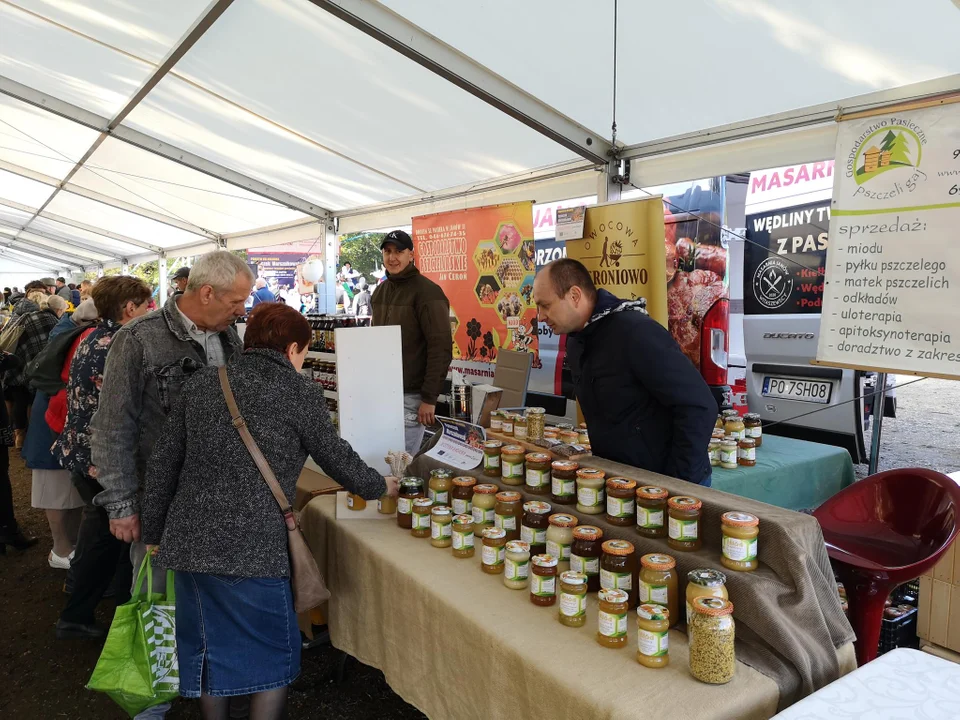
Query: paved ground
x,y
926,431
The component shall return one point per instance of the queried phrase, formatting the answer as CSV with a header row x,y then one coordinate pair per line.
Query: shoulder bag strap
x,y
240,424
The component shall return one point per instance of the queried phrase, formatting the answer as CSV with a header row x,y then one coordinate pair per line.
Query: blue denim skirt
x,y
235,635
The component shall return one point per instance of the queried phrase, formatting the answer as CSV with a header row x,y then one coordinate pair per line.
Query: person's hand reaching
x,y
393,486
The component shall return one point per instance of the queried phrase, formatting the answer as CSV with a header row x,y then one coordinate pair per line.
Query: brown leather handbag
x,y
309,589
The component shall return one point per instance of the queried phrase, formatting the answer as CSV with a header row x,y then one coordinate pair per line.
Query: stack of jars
x,y
735,440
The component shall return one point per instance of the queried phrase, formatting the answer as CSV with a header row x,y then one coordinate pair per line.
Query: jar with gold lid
x,y
739,547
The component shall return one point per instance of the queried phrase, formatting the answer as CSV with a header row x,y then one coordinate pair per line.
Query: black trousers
x,y
22,399
99,557
7,520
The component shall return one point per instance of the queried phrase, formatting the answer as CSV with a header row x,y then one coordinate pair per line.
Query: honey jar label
x,y
439,498
589,497
438,531
512,470
533,536
543,586
653,593
462,507
653,644
585,565
573,605
492,555
420,522
517,570
561,488
615,581
462,541
747,454
647,518
491,462
537,478
683,529
404,506
755,432
612,625
619,507
561,552
481,516
739,550
520,432
506,522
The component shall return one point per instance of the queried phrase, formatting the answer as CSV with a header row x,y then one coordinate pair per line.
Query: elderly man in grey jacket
x,y
149,361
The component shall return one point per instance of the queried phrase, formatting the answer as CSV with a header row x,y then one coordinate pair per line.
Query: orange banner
x,y
483,258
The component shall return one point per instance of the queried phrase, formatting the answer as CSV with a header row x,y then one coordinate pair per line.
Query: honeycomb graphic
x,y
511,273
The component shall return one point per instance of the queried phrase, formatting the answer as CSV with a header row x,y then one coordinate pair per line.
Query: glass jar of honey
x,y
713,452
517,565
520,427
585,554
658,583
560,538
463,537
621,502
386,504
733,427
461,497
652,511
705,582
747,452
591,498
411,488
568,437
573,599
506,423
441,483
512,470
534,524
420,526
684,524
355,502
484,504
612,618
653,635
491,458
441,527
496,421
563,487
493,554
618,568
739,548
728,454
543,580
538,473
508,512
754,427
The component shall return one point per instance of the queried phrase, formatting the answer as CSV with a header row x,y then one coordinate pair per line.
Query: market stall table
x,y
456,643
792,474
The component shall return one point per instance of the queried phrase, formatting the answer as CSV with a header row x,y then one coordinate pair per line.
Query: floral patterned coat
x,y
83,398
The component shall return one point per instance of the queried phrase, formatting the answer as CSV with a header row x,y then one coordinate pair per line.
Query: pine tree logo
x,y
885,150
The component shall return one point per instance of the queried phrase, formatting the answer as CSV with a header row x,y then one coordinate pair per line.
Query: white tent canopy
x,y
132,129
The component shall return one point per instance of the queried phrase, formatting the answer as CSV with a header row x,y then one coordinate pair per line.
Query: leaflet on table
x,y
460,444
892,281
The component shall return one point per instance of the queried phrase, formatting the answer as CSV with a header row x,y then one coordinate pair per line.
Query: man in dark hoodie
x,y
422,311
645,403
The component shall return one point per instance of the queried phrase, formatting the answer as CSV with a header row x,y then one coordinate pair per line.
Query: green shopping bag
x,y
138,666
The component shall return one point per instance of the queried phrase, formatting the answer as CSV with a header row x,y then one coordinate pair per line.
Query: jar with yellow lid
x,y
441,528
573,599
653,635
463,537
441,483
543,580
536,424
516,565
461,497
705,582
728,454
534,524
658,583
538,473
508,512
621,502
713,452
684,523
733,427
506,423
586,552
491,458
739,546
560,538
512,470
747,452
754,427
712,633
484,504
652,511
496,421
411,488
591,495
520,427
563,484
612,618
493,554
618,568
420,517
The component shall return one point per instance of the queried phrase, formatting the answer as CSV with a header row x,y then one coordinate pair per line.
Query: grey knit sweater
x,y
205,503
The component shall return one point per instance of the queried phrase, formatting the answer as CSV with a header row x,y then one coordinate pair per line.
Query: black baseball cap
x,y
183,272
398,238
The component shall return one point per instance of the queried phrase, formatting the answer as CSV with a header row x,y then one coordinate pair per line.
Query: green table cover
x,y
792,474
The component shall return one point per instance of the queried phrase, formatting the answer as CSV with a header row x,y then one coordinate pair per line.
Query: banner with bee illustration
x,y
623,249
484,260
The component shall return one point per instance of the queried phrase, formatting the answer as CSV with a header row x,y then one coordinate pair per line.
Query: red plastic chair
x,y
883,531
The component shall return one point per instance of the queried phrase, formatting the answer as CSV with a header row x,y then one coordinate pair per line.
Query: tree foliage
x,y
362,251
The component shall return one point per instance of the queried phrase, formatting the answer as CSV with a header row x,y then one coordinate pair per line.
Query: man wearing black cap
x,y
180,279
422,311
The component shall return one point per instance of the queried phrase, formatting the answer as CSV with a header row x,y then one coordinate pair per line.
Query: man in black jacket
x,y
644,401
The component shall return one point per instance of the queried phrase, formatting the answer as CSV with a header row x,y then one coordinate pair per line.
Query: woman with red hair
x,y
216,523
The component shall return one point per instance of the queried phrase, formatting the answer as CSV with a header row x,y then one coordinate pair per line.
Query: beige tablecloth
x,y
457,644
790,625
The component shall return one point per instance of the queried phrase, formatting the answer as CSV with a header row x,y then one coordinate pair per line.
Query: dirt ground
x,y
43,678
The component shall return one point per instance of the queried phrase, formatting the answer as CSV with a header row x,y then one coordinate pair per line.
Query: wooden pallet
x,y
530,447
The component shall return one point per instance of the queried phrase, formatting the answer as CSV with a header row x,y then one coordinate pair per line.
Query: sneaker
x,y
59,563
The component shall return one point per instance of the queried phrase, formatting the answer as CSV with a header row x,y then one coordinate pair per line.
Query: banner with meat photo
x,y
483,258
696,272
622,247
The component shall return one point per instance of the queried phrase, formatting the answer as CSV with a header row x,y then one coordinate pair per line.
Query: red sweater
x,y
56,415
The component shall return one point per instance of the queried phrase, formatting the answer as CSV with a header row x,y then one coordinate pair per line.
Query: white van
x,y
787,223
